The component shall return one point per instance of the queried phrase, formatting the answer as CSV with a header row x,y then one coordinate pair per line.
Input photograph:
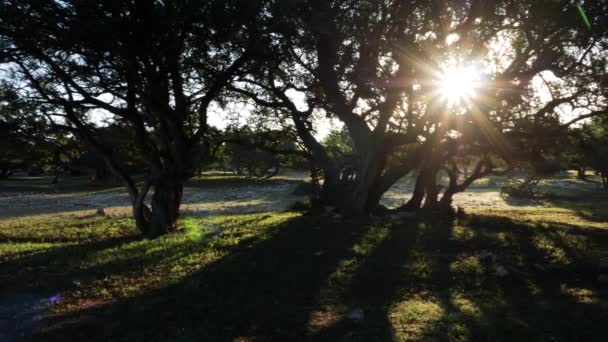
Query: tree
x,y
379,67
260,151
593,146
155,66
24,144
125,149
574,158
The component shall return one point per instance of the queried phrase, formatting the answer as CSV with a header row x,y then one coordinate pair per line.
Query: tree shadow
x,y
419,280
54,263
264,289
378,281
462,302
550,292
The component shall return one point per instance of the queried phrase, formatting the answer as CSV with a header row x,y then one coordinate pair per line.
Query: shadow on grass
x,y
264,288
57,266
551,292
599,213
588,205
433,280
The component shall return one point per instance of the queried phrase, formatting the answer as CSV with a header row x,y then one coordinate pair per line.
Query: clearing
x,y
507,271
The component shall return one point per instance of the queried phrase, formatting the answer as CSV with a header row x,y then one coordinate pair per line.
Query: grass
x,y
80,184
44,184
221,179
284,276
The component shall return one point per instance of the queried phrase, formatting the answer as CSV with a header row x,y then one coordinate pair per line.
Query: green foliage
x,y
259,152
593,142
338,143
23,144
378,70
152,69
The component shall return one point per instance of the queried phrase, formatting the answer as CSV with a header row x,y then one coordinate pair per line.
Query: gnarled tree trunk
x,y
360,194
165,207
415,202
581,174
161,216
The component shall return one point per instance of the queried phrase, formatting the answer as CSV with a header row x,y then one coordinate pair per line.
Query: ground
x,y
245,269
224,193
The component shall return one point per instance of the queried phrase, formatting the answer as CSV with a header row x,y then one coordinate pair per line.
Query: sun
x,y
458,85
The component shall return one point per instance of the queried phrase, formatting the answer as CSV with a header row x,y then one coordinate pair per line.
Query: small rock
x,y
602,279
337,217
408,266
318,253
501,271
356,314
101,212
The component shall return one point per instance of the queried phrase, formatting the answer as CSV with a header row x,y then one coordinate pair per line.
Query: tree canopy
x,y
156,67
386,71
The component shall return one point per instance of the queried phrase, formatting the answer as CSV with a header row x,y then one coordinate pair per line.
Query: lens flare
x,y
583,15
457,85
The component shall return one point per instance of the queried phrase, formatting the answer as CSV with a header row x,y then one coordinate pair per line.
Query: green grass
x,y
283,276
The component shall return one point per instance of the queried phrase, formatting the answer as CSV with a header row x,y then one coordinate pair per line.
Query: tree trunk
x,y
142,214
356,202
430,187
415,202
165,207
375,195
361,195
446,199
347,197
316,188
581,173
